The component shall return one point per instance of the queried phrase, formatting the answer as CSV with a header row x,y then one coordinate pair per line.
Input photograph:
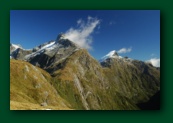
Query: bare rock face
x,y
20,53
47,55
16,51
60,36
49,59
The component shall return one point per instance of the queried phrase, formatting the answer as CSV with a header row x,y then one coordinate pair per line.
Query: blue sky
x,y
137,31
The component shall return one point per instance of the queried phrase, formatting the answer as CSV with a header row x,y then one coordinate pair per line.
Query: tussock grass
x,y
82,81
32,85
14,105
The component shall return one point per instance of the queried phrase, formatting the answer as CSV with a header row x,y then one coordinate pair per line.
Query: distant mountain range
x,y
61,75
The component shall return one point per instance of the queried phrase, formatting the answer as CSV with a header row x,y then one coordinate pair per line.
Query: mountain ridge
x,y
113,83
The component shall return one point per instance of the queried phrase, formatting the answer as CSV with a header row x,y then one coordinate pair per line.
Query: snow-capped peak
x,y
114,54
16,46
47,47
111,54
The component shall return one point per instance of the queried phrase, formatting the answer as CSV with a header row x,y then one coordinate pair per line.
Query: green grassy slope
x,y
86,85
31,85
80,82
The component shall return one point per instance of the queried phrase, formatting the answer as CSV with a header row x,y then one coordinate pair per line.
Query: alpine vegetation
x,y
62,75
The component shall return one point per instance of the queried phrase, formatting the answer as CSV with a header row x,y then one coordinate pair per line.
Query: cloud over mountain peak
x,y
82,34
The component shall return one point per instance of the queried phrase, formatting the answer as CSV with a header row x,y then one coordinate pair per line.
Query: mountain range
x,y
60,75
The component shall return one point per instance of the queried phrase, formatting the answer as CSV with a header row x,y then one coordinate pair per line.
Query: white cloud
x,y
124,50
154,61
79,21
82,35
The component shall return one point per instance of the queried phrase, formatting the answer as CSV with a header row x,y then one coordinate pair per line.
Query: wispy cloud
x,y
82,35
124,50
154,61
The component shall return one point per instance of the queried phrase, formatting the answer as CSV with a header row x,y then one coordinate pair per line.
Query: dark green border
x,y
160,116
